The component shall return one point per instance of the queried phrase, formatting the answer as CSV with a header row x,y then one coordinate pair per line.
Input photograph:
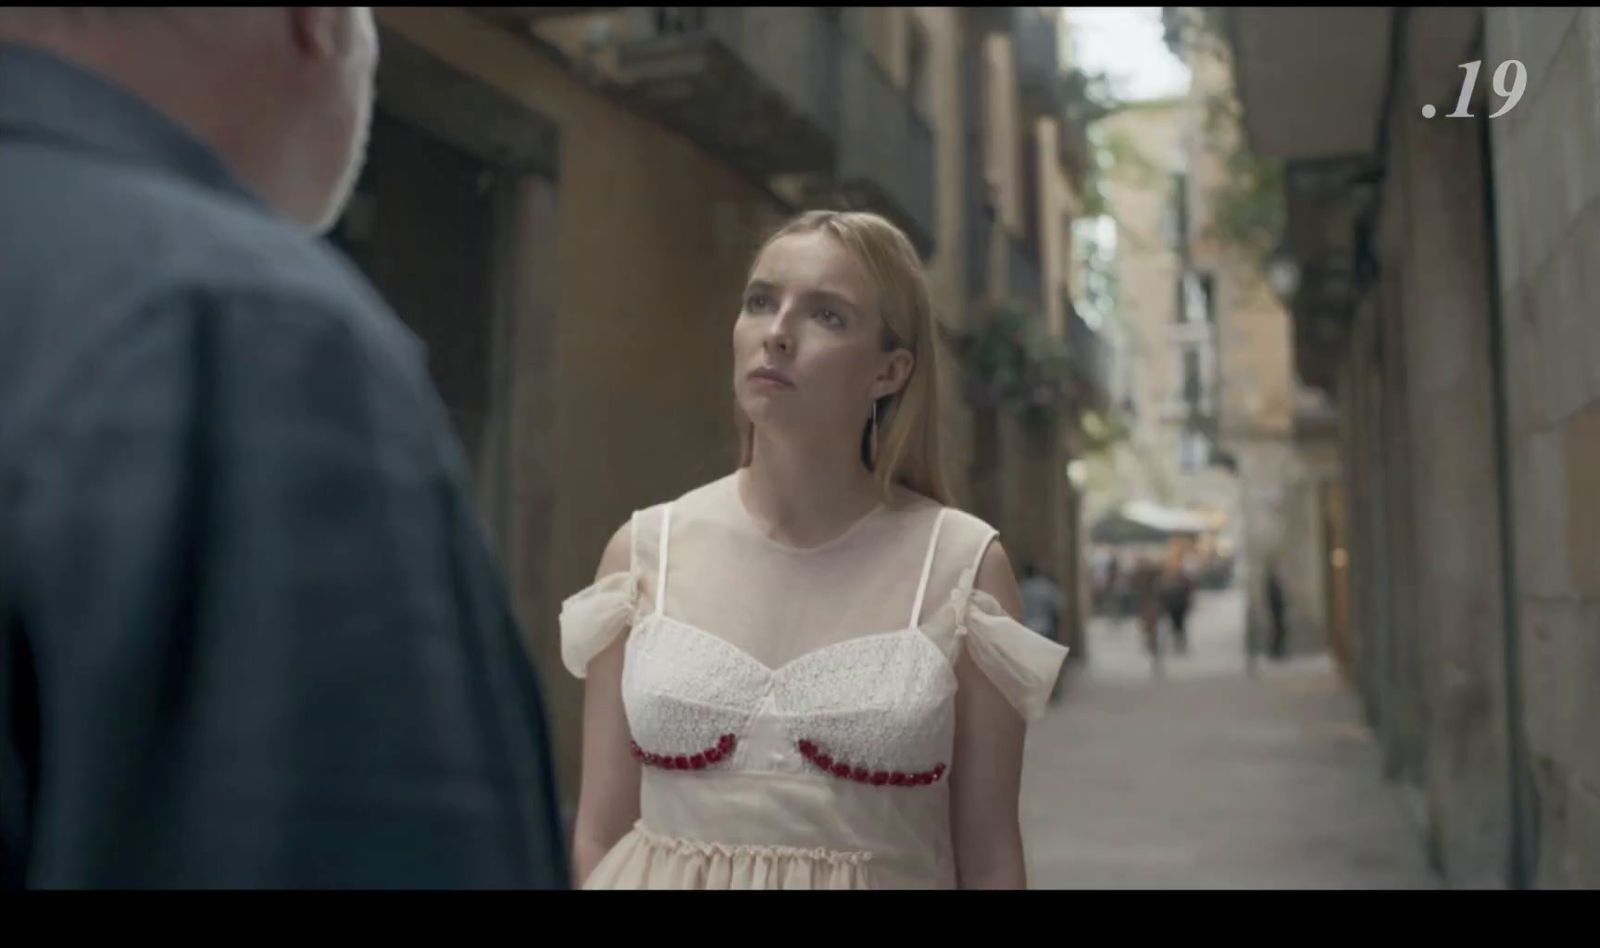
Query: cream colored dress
x,y
794,709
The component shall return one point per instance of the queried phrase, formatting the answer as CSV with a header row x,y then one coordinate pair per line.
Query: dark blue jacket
x,y
251,632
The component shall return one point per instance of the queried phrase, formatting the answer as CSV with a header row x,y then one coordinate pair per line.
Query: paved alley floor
x,y
1208,779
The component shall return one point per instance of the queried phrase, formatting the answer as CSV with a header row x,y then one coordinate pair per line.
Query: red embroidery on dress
x,y
877,778
699,761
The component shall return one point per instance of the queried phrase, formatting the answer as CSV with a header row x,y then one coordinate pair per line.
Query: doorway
x,y
420,225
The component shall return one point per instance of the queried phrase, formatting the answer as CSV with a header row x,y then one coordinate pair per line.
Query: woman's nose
x,y
778,337
778,341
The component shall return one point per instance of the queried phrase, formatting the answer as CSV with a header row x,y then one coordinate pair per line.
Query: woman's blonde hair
x,y
908,428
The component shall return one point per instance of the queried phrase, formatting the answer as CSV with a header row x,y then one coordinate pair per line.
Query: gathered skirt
x,y
646,860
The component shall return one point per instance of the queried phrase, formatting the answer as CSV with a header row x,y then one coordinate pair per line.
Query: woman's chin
x,y
762,406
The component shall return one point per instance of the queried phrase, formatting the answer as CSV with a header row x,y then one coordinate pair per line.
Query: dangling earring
x,y
874,440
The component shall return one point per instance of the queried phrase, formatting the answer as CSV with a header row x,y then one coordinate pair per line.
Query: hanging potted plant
x,y
1010,364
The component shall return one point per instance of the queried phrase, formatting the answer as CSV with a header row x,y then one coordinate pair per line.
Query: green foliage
x,y
1101,279
1249,211
1130,164
1186,30
1011,363
1087,97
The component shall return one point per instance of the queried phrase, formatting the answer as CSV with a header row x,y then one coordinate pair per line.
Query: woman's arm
x,y
986,777
608,795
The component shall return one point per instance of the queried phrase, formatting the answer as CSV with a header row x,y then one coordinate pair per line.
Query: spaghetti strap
x,y
927,567
983,549
661,568
969,578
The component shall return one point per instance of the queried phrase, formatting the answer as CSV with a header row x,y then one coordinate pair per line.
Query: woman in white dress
x,y
807,673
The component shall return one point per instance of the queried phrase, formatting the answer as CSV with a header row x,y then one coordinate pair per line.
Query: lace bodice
x,y
795,709
874,707
878,704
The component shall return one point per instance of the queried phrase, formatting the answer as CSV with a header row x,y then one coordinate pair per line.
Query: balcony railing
x,y
975,182
1034,40
1023,283
1035,45
886,151
524,17
758,86
1077,108
1089,359
784,91
979,235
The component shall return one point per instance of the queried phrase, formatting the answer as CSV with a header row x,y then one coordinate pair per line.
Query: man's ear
x,y
317,31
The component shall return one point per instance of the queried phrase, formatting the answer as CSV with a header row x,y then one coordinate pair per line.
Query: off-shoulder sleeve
x,y
592,618
1022,663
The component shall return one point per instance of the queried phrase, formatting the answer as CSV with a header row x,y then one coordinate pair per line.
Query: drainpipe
x,y
1523,845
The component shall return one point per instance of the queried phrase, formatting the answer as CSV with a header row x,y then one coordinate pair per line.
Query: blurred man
x,y
1144,587
1177,597
251,634
1042,601
1277,608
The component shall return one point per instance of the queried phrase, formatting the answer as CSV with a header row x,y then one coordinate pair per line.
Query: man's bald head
x,y
282,94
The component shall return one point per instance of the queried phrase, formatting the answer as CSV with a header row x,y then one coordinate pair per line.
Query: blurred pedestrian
x,y
1277,608
251,635
1113,577
1043,602
1145,588
1177,597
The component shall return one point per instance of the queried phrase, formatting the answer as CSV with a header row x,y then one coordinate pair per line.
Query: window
x,y
1192,389
1195,303
1194,451
852,22
675,20
917,67
1032,196
1178,213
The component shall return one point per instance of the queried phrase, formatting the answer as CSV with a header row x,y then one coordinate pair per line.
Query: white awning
x,y
1168,519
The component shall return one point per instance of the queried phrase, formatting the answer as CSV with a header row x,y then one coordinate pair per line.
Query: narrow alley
x,y
1209,779
1212,312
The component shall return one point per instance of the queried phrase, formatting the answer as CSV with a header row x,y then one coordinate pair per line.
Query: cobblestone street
x,y
1208,779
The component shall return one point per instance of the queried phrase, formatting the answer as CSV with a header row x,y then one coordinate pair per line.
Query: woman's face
x,y
807,347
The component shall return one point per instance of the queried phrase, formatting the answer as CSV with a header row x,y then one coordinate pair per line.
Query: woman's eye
x,y
829,317
757,301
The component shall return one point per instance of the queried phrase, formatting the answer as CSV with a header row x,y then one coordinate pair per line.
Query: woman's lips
x,y
771,377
